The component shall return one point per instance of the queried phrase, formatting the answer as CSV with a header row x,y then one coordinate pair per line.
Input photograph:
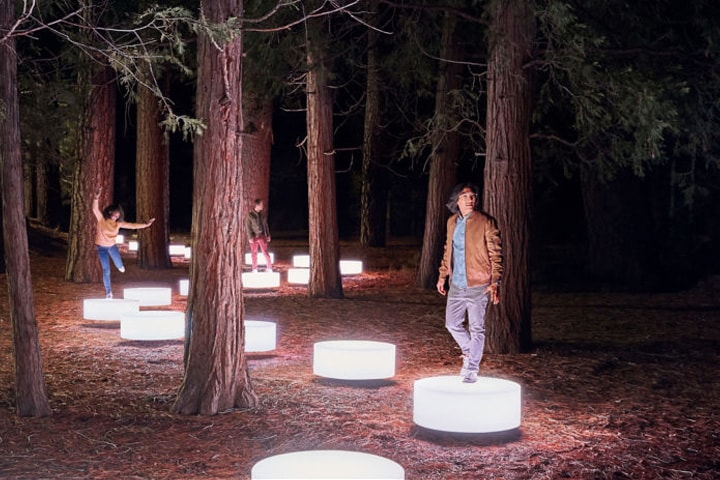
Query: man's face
x,y
466,201
259,206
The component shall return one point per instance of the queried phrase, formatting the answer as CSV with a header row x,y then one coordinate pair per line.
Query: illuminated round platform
x,y
108,309
153,325
298,276
261,280
351,267
301,261
259,336
325,464
260,258
446,404
149,296
354,359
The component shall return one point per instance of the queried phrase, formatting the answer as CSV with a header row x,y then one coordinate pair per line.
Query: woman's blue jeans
x,y
105,254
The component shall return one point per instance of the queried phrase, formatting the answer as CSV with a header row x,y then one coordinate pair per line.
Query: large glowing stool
x,y
260,258
354,359
108,308
261,279
149,296
153,325
446,404
350,267
299,276
259,336
319,464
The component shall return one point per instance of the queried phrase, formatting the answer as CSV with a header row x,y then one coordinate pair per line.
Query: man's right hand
x,y
441,286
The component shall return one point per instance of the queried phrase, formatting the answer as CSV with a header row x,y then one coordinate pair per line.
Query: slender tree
x,y
256,149
445,142
216,375
30,391
94,169
508,168
152,181
374,178
324,242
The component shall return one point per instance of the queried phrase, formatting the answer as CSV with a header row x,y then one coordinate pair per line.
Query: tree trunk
x,y
256,152
443,158
152,182
30,393
374,190
324,248
29,180
94,168
216,374
42,207
508,169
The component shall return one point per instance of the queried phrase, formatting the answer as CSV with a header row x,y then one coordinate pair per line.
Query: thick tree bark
x,y
374,189
256,151
152,182
30,393
94,169
443,158
216,374
508,169
324,244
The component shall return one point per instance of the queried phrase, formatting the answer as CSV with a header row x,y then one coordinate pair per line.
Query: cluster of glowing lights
x,y
149,296
151,325
325,464
120,239
354,359
260,336
133,245
446,404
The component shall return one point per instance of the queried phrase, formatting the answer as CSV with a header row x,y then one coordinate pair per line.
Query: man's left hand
x,y
494,290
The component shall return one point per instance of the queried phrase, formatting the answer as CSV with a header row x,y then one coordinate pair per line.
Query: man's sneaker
x,y
254,270
108,295
470,377
269,269
122,269
464,369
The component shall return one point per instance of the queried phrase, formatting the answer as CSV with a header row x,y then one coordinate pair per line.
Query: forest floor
x,y
617,386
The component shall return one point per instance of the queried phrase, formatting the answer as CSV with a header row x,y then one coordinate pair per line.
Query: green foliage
x,y
609,109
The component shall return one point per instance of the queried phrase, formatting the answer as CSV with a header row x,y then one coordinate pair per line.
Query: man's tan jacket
x,y
483,250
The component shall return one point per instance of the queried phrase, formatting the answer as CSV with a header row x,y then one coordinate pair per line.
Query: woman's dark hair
x,y
110,209
455,194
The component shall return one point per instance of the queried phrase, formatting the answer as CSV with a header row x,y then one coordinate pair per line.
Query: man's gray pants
x,y
471,340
